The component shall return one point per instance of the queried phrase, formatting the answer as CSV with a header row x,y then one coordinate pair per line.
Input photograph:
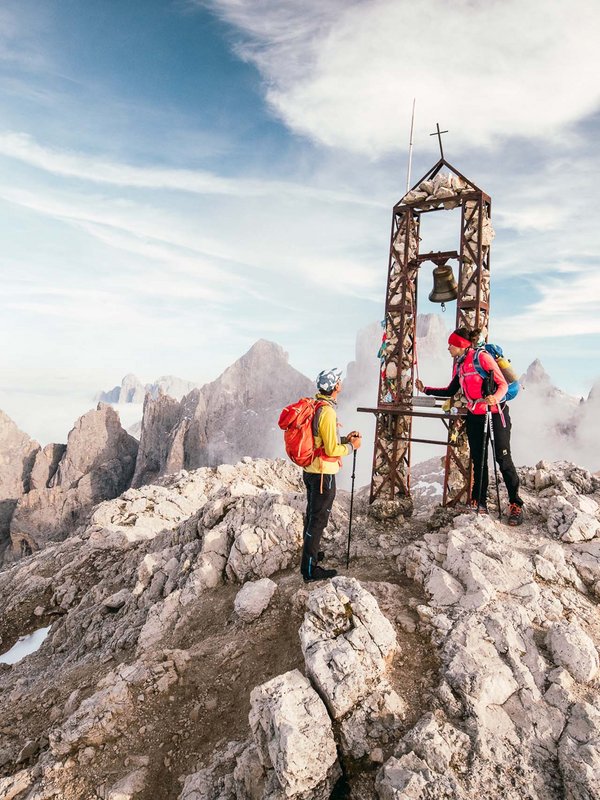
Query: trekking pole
x,y
483,454
491,426
351,504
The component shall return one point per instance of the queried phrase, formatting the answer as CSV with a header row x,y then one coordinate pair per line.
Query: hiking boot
x,y
515,514
319,574
478,508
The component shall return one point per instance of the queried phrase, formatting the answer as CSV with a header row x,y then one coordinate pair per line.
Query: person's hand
x,y
490,400
355,440
419,385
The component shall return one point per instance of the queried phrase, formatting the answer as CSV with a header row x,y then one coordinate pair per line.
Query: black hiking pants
x,y
479,449
318,509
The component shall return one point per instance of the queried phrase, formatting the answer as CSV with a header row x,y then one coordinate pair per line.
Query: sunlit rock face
x,y
232,417
67,482
17,456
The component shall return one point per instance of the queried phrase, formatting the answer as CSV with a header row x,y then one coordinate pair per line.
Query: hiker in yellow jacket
x,y
319,476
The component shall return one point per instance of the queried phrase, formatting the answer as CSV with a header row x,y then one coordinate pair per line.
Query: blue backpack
x,y
505,368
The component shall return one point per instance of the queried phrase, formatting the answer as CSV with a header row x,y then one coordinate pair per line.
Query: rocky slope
x,y
457,658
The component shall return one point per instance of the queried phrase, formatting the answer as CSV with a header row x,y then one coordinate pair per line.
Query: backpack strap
x,y
483,373
320,451
319,405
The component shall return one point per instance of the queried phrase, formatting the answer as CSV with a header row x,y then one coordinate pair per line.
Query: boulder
x,y
129,787
253,598
347,643
574,650
293,740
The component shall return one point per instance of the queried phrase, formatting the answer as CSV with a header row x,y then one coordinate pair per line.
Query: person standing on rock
x,y
319,476
461,346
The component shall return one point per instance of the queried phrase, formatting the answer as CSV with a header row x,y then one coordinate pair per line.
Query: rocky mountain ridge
x,y
186,659
51,490
132,390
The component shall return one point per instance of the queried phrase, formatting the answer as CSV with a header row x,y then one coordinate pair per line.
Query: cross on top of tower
x,y
438,133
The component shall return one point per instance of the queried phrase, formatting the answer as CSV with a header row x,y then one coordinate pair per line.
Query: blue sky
x,y
179,179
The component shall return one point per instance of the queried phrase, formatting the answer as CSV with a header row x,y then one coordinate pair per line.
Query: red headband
x,y
458,341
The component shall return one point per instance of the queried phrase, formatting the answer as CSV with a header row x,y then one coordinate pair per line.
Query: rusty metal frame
x,y
393,437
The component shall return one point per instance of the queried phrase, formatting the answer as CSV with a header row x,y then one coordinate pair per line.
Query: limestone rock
x,y
97,464
573,649
97,444
129,787
347,643
14,786
373,723
294,737
438,743
97,720
391,509
217,781
45,465
173,436
17,455
253,598
433,754
579,753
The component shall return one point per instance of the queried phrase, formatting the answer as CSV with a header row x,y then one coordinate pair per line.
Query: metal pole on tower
x,y
410,145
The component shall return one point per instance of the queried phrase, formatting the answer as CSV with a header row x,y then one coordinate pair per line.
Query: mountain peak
x,y
536,374
264,349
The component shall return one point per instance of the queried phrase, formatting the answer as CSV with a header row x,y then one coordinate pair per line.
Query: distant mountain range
x,y
46,492
132,390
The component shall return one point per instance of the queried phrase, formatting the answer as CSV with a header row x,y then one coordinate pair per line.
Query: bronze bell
x,y
444,285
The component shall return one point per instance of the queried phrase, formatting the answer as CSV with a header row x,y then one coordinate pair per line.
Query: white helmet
x,y
328,379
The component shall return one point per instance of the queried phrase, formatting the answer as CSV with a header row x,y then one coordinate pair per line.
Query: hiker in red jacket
x,y
319,476
461,346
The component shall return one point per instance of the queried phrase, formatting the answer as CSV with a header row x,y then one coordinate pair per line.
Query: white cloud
x,y
289,238
22,147
345,72
566,307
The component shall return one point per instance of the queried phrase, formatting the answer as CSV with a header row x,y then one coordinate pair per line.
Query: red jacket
x,y
470,381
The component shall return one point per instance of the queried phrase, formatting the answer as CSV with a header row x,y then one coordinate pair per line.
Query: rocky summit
x,y
184,658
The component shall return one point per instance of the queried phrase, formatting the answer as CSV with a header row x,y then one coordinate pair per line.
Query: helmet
x,y
327,379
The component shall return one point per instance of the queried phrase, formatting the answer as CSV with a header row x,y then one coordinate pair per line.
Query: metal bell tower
x,y
443,187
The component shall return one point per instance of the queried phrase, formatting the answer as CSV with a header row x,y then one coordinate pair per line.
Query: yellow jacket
x,y
327,437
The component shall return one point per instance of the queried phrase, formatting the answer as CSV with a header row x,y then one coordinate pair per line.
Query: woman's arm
x,y
446,391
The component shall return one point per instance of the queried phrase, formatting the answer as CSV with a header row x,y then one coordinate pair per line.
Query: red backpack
x,y
296,421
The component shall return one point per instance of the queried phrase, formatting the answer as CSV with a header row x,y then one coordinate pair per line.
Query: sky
x,y
180,178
